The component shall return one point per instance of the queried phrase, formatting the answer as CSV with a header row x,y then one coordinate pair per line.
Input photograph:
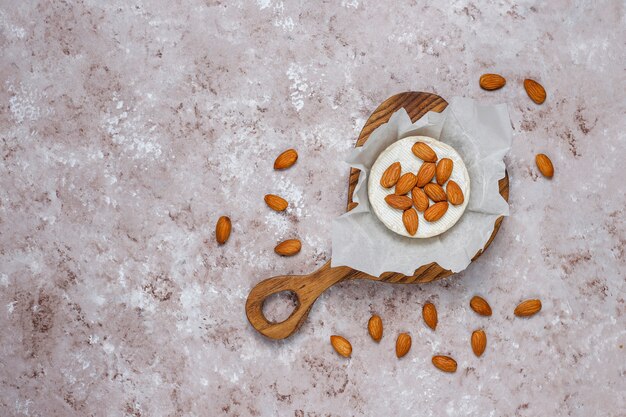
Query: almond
x,y
480,306
545,165
400,202
420,199
436,211
222,230
391,175
425,173
479,342
405,183
286,159
410,220
444,170
429,313
424,152
275,202
288,248
341,345
403,344
454,193
535,91
528,308
375,327
435,192
491,81
444,363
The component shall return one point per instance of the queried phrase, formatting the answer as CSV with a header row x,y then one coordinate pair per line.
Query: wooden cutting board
x,y
308,287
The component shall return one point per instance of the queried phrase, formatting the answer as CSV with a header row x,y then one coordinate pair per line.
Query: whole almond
x,y
454,193
276,202
444,363
288,247
410,220
391,175
535,91
375,327
528,308
341,345
444,170
403,344
400,202
425,174
545,165
435,192
429,313
405,183
420,199
480,306
479,342
436,211
286,159
222,230
424,152
491,81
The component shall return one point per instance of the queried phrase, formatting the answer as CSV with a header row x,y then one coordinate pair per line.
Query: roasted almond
x,y
436,211
480,306
222,230
405,183
444,363
275,202
286,159
444,170
535,91
528,308
479,342
288,247
545,165
375,327
410,220
435,192
420,199
391,175
424,152
403,344
341,345
491,81
425,174
400,202
454,193
429,313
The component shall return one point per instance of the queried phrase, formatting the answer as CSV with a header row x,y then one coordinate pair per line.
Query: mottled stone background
x,y
128,127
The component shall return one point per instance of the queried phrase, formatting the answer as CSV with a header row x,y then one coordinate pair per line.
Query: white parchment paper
x,y
481,134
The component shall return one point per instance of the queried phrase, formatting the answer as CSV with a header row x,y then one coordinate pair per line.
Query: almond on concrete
x,y
544,164
528,308
429,313
444,363
491,81
400,202
403,344
286,159
454,193
222,230
435,192
276,202
436,211
420,199
405,183
391,175
424,152
288,247
425,174
479,342
341,345
375,327
444,170
535,91
480,306
410,220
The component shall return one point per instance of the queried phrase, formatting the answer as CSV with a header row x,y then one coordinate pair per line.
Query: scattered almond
x,y
535,91
491,81
436,211
275,202
435,192
222,230
403,344
454,193
480,306
400,202
341,345
410,220
429,313
444,363
420,199
391,175
444,170
405,183
425,174
424,152
545,165
479,342
288,248
375,327
528,308
286,159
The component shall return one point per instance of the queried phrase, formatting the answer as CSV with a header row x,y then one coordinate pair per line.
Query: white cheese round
x,y
400,151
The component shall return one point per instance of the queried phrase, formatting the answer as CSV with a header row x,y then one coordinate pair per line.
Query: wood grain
x,y
309,287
